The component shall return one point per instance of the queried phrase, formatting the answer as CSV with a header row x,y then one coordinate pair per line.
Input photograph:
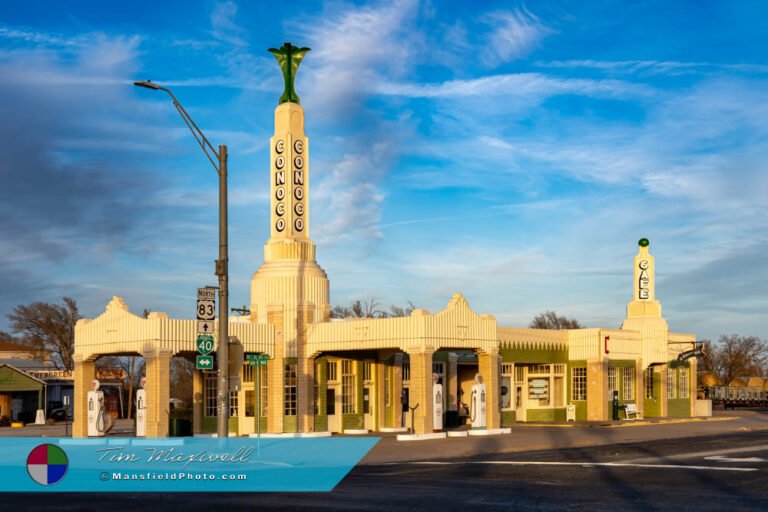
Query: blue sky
x,y
512,151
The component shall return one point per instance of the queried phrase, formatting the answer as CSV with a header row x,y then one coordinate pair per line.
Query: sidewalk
x,y
58,429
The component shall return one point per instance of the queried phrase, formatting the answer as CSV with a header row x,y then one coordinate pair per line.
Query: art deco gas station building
x,y
350,375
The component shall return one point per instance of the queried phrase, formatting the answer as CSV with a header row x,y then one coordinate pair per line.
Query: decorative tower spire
x,y
289,183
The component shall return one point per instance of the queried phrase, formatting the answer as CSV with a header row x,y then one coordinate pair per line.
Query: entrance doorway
x,y
368,408
333,409
519,403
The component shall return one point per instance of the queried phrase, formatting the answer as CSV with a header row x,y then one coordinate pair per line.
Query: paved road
x,y
655,467
707,473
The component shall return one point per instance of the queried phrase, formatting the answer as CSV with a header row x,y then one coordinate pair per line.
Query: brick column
x,y
275,387
663,400
305,373
397,389
421,392
85,372
639,387
597,391
693,383
379,370
452,385
158,383
197,401
488,366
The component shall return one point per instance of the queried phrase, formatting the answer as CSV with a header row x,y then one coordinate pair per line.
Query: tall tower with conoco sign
x,y
290,290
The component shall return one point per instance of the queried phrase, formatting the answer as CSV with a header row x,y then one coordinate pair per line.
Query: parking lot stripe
x,y
578,464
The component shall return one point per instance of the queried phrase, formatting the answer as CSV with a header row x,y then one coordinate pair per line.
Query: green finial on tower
x,y
643,242
289,57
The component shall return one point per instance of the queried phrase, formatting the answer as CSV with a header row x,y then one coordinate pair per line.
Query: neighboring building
x,y
350,375
28,383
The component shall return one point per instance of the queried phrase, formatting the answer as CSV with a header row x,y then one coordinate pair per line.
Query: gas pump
x,y
477,403
96,414
141,410
437,400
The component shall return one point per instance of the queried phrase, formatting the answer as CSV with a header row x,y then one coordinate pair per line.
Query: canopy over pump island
x,y
425,371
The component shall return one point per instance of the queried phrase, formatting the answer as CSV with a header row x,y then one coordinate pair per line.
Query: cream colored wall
x,y
118,331
532,338
457,327
583,344
622,344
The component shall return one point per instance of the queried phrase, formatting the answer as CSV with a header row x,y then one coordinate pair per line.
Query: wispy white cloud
x,y
354,48
534,85
652,67
223,25
515,35
349,199
36,37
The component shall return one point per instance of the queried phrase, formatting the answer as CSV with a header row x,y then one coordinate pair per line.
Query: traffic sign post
x,y
204,362
258,360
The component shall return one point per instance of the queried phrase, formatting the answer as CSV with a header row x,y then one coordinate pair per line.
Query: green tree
x,y
551,320
48,328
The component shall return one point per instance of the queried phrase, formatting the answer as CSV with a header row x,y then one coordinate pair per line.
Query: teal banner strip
x,y
178,464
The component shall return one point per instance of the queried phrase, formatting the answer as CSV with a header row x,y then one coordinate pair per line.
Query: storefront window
x,y
671,383
232,403
649,383
683,373
290,389
505,391
579,385
628,383
250,404
264,394
611,381
347,387
210,387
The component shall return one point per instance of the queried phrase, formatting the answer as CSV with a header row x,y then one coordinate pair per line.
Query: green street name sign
x,y
204,362
257,359
205,344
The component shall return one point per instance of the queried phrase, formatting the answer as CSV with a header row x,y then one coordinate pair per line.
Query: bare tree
x,y
182,372
341,312
48,328
398,311
370,309
551,320
735,356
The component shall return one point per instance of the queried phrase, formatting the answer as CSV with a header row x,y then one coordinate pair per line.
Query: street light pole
x,y
222,264
222,272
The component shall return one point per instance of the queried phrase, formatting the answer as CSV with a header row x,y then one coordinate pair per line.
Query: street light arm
x,y
198,135
196,132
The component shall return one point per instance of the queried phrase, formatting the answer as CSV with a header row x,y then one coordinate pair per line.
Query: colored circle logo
x,y
47,464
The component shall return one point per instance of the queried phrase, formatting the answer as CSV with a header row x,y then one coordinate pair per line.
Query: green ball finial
x,y
643,242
